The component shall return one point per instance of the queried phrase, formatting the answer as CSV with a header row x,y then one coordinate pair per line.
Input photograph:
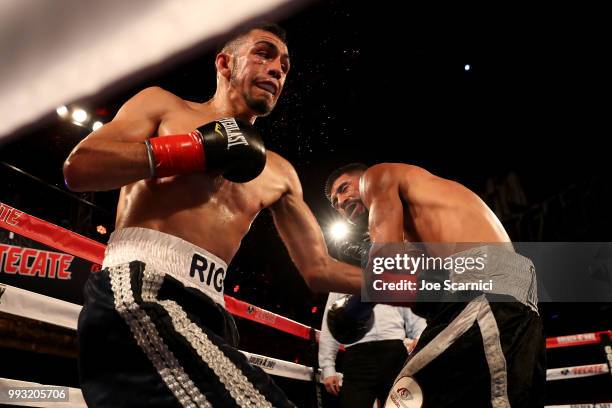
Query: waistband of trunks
x,y
511,273
191,265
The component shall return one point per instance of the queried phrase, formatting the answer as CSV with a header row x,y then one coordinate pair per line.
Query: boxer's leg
x,y
188,361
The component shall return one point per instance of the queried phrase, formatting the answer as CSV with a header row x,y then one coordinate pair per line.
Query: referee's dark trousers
x,y
369,371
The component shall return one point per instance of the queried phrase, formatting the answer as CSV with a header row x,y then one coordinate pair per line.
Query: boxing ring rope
x,y
70,242
601,405
576,339
23,303
28,304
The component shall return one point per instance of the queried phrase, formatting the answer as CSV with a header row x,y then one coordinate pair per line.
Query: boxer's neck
x,y
226,103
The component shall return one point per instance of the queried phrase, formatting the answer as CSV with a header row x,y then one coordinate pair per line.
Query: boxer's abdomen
x,y
207,211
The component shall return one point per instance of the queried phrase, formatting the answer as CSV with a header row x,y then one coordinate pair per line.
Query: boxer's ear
x,y
223,65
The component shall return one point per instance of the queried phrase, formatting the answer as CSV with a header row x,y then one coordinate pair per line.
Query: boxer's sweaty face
x,y
259,70
346,200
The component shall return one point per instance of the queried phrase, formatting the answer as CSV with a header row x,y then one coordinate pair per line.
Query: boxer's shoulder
x,y
277,163
383,171
156,94
384,175
377,178
152,101
283,170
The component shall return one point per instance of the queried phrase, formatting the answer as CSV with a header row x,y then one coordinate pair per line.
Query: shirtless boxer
x,y
481,351
153,330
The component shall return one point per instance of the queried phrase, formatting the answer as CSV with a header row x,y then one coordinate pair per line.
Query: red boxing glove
x,y
177,154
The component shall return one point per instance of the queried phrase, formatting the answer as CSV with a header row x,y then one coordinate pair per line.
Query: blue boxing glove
x,y
349,319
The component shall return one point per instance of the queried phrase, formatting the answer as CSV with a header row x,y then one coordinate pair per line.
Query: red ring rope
x,y
70,242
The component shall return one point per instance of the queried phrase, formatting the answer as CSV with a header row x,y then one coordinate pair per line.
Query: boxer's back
x,y
441,210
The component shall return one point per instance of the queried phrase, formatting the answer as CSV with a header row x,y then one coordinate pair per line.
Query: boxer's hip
x,y
484,352
189,264
510,273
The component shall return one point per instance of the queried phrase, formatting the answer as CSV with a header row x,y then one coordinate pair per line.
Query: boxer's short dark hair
x,y
273,28
349,168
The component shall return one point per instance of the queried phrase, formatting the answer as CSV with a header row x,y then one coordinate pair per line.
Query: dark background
x,y
526,128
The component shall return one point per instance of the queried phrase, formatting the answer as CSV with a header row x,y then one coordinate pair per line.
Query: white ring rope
x,y
28,304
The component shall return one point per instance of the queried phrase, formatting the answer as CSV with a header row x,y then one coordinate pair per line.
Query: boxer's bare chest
x,y
199,206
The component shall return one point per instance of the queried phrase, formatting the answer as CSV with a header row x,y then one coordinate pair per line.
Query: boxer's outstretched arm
x,y
304,240
114,155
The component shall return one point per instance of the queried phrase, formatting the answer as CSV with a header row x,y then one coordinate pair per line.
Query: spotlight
x,y
339,230
79,115
62,111
467,67
101,229
96,125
